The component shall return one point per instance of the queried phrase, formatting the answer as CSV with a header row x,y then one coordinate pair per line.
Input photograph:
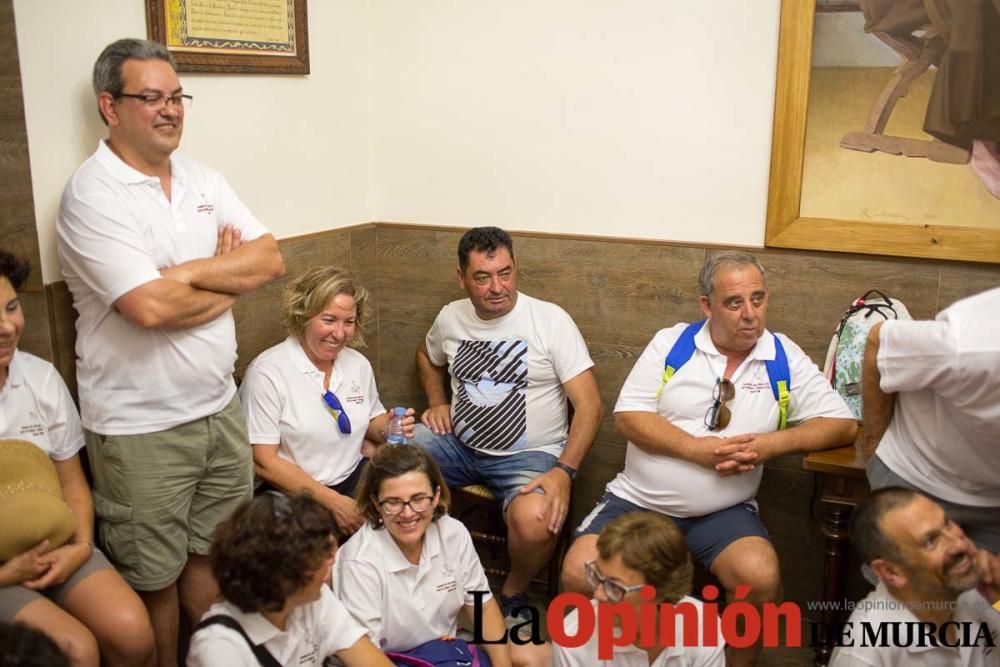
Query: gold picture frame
x,y
785,228
259,37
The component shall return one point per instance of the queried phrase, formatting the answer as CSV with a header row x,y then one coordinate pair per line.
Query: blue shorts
x,y
462,465
706,536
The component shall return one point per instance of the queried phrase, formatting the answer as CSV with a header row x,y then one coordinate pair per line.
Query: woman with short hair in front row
x,y
272,558
410,572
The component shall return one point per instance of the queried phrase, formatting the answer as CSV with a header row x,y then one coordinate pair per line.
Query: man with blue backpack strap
x,y
703,408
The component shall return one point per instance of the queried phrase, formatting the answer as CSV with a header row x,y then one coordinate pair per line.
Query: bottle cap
x,y
399,411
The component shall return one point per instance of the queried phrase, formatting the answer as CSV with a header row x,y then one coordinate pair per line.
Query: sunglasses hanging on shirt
x,y
343,422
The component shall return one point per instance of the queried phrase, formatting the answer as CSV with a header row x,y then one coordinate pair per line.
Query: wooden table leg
x,y
836,516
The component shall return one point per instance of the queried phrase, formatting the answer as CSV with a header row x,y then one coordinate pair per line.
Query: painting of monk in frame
x,y
887,122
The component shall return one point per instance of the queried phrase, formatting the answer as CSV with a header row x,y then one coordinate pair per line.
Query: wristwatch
x,y
569,470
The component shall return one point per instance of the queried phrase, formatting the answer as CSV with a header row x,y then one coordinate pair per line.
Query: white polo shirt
x,y
401,604
880,606
633,656
683,489
35,405
943,437
314,632
282,396
116,231
507,374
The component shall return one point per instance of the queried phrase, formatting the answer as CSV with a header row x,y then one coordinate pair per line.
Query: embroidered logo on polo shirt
x,y
36,428
447,587
354,394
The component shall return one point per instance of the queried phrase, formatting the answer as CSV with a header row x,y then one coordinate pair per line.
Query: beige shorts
x,y
14,598
158,496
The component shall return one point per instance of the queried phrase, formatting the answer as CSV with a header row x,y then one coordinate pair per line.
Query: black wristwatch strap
x,y
569,470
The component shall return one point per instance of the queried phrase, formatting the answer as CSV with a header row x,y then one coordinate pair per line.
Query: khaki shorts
x,y
160,495
15,598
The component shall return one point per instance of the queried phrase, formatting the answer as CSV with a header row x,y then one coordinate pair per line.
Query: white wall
x,y
636,118
296,148
841,41
640,118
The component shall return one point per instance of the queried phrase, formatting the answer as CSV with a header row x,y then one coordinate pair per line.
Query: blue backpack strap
x,y
781,381
679,354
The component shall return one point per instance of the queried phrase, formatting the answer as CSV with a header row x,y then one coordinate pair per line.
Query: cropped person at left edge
x,y
68,591
156,248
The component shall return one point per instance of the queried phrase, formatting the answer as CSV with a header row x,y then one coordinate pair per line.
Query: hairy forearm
x,y
432,378
587,412
809,436
877,406
244,269
655,434
172,305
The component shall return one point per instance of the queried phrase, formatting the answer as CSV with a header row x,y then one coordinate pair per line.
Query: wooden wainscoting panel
x,y
961,280
397,383
617,293
363,266
35,338
811,290
63,324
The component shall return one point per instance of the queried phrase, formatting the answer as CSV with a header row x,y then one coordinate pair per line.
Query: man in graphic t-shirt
x,y
512,360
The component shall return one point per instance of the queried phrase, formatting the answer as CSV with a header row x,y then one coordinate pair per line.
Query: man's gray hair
x,y
108,68
725,260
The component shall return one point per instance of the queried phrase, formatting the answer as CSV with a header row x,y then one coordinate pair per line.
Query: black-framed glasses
x,y
613,590
393,506
718,415
159,100
343,422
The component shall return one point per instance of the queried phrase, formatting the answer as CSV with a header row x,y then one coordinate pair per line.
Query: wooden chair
x,y
477,508
919,51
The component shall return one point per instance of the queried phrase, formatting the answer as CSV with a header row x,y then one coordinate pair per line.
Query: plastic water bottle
x,y
394,434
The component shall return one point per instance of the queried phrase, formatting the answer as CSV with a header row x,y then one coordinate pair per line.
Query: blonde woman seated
x,y
68,591
409,573
634,550
272,558
310,401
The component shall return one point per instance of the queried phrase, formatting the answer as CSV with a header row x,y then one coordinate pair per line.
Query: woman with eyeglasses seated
x,y
635,550
409,573
69,591
310,402
272,558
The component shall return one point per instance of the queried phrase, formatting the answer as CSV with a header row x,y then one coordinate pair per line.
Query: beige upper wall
x,y
296,148
637,118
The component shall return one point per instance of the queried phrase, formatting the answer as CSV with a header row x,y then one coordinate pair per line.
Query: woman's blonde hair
x,y
307,296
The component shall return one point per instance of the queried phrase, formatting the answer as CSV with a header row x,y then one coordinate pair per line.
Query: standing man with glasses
x,y
703,408
156,248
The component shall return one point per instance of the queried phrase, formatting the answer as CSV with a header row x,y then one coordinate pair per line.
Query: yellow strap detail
x,y
783,398
668,373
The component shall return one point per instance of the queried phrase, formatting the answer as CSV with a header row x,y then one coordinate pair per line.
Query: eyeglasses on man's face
x,y
393,506
613,590
718,416
159,100
343,422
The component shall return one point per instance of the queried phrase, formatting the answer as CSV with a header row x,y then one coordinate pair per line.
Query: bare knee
x,y
749,562
525,524
582,550
132,641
